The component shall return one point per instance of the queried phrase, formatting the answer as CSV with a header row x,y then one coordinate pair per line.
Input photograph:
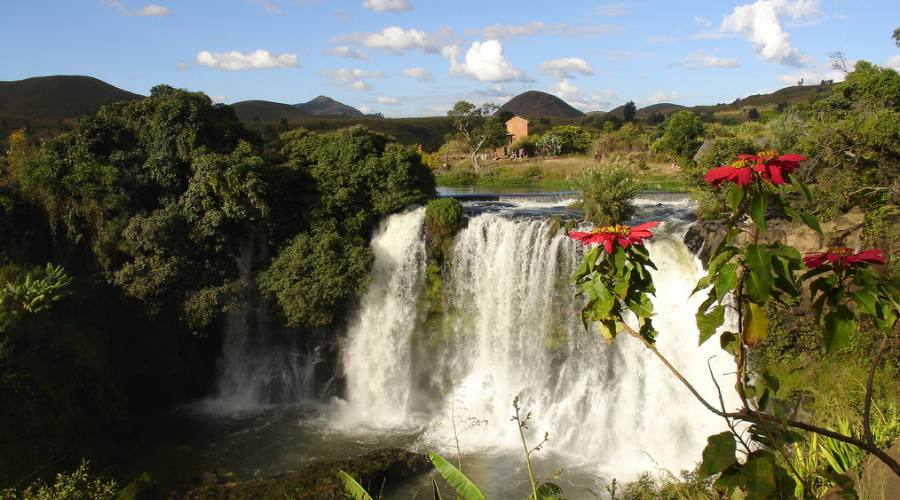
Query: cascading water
x,y
260,365
514,330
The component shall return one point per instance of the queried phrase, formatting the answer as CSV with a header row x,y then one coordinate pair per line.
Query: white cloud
x,y
496,92
566,68
702,21
149,10
152,10
388,101
234,60
761,23
813,76
484,61
418,73
365,110
347,52
361,85
499,31
568,92
218,99
660,96
387,5
700,60
893,62
610,10
347,74
393,38
271,6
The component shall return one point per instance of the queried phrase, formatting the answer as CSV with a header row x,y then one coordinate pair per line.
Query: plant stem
x,y
527,455
750,417
867,409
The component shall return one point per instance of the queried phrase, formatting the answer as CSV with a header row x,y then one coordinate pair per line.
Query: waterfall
x,y
514,330
260,364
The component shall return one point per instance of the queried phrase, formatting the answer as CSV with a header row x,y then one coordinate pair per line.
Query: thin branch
x,y
867,410
722,404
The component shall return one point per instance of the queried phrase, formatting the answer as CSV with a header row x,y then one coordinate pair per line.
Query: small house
x,y
516,128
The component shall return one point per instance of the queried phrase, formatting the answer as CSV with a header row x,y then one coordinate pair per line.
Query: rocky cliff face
x,y
844,230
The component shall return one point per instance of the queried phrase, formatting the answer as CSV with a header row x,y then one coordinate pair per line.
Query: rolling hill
x,y
266,111
536,104
326,106
55,97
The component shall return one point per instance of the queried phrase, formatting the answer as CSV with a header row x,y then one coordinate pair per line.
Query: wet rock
x,y
376,471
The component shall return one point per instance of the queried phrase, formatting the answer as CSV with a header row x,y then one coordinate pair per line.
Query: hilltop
x,y
326,106
536,104
266,111
56,97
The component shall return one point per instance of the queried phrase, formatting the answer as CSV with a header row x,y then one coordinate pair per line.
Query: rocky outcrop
x,y
377,471
845,230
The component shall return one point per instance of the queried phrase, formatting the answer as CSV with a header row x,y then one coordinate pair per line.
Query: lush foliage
x,y
564,140
607,189
76,485
682,137
477,127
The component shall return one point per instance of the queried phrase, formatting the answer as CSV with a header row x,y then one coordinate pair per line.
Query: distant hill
x,y
536,104
266,111
54,97
326,106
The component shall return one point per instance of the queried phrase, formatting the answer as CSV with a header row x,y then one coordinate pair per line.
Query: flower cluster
x,y
843,258
768,166
621,234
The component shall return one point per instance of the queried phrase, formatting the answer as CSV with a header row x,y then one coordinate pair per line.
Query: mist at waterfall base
x,y
511,328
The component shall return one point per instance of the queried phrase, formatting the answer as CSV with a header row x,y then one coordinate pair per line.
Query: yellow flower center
x,y
622,229
767,155
841,251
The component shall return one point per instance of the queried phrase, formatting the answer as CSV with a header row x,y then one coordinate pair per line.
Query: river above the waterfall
x,y
510,328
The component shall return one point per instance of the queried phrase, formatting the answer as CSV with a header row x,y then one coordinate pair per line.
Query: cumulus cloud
x,y
761,23
660,96
568,92
388,101
484,61
496,92
149,10
699,60
418,73
218,99
271,6
610,10
365,110
893,62
499,31
566,68
347,52
387,5
394,39
360,85
347,74
234,60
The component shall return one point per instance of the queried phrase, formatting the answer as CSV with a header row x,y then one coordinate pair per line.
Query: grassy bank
x,y
552,174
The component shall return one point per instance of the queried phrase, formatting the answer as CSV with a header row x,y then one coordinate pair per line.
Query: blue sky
x,y
417,57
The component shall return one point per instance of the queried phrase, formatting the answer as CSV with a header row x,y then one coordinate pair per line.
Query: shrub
x,y
564,140
443,218
607,190
682,136
77,485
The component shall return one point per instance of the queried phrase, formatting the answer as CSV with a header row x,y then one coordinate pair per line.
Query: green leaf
x,y
735,197
727,280
548,491
605,300
718,454
758,210
865,301
812,222
803,187
462,484
607,329
759,279
728,342
730,480
839,325
758,476
619,259
708,323
756,324
353,489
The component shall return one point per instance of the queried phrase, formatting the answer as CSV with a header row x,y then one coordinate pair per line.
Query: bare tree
x,y
838,61
477,127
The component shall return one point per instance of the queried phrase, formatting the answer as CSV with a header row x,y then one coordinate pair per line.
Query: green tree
x,y
564,140
629,111
477,127
682,137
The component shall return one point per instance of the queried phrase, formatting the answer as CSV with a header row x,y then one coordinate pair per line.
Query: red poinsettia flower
x,y
841,257
621,234
767,165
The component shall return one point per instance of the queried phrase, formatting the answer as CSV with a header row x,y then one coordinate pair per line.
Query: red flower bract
x,y
621,234
767,165
841,257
